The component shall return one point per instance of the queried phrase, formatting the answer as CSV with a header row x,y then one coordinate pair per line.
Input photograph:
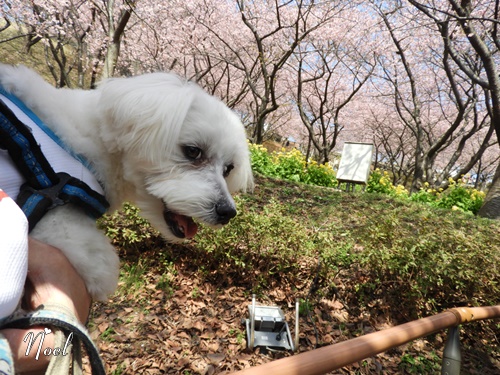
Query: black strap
x,y
44,189
24,150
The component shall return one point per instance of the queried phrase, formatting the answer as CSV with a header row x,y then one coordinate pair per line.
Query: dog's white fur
x,y
134,132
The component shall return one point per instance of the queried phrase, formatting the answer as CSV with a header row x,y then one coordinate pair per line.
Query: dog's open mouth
x,y
181,226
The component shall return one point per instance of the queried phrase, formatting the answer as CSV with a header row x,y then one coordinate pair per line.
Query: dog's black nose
x,y
225,212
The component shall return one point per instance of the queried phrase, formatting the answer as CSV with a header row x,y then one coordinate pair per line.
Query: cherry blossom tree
x,y
331,68
113,19
273,30
437,105
470,34
408,75
58,26
76,34
393,142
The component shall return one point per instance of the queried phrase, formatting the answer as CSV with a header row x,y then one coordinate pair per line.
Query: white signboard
x,y
355,162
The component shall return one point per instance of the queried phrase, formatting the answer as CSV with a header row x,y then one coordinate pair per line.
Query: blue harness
x,y
44,188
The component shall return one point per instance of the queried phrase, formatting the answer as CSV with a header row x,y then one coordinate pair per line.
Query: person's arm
x,y
52,280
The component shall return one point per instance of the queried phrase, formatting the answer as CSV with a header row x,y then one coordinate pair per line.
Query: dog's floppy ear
x,y
145,113
242,178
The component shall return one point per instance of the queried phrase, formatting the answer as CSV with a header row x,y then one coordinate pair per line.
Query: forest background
x,y
418,79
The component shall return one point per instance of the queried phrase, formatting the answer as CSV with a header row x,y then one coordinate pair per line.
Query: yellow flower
x,y
401,191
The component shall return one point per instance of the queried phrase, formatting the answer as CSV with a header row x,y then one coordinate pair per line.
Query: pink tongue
x,y
187,224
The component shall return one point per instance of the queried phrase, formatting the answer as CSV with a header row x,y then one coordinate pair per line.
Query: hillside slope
x,y
359,262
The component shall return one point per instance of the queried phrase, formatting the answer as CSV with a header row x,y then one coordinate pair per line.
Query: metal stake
x,y
452,356
296,343
252,323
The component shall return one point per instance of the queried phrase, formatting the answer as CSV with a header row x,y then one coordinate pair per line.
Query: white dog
x,y
155,140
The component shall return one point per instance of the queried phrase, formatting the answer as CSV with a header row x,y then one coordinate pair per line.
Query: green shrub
x,y
320,175
456,197
460,197
380,182
292,166
262,161
425,195
392,250
128,231
267,241
429,268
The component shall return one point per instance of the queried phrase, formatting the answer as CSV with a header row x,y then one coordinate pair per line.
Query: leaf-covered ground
x,y
177,313
195,327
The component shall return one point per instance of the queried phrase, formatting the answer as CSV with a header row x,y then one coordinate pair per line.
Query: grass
x,y
132,276
431,257
394,245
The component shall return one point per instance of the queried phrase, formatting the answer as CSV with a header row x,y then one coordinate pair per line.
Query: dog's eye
x,y
192,152
227,170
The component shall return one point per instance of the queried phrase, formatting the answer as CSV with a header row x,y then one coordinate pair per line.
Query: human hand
x,y
51,280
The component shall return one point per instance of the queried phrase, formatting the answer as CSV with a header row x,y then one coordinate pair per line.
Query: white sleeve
x,y
13,254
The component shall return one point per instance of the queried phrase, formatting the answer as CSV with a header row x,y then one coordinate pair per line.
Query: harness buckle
x,y
53,192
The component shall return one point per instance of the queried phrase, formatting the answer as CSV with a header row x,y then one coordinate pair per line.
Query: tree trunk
x,y
259,130
115,37
491,206
308,152
111,60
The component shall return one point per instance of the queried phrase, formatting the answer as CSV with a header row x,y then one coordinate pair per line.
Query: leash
x,y
44,189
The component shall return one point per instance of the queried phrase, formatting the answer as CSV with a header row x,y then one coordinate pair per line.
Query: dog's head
x,y
183,150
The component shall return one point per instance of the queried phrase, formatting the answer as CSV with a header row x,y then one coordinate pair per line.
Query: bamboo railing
x,y
332,357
